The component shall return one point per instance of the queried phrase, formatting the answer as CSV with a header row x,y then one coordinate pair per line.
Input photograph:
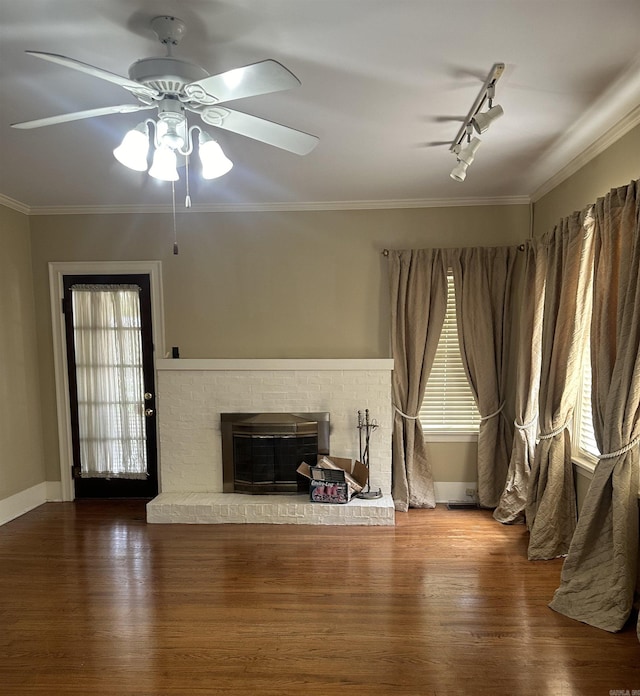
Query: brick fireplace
x,y
192,395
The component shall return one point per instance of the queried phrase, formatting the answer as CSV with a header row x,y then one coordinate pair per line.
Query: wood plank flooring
x,y
94,601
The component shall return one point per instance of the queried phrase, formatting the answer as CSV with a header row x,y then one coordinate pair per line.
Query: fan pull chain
x,y
187,200
175,229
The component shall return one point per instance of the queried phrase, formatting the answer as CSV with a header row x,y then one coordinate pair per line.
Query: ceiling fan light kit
x,y
171,138
463,146
174,87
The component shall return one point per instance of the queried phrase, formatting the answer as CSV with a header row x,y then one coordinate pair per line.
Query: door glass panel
x,y
110,384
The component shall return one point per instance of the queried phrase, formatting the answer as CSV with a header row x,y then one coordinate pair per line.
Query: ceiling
x,y
385,86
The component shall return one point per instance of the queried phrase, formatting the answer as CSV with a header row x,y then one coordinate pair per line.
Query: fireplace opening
x,y
262,451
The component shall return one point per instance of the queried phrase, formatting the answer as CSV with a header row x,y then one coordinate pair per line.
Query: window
x,y
448,405
583,419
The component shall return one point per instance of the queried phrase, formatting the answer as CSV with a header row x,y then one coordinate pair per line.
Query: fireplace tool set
x,y
365,428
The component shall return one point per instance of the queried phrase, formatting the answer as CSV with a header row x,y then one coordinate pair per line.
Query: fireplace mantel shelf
x,y
275,364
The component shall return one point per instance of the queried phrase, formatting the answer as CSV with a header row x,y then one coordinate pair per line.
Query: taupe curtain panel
x,y
482,280
513,500
551,510
418,280
600,572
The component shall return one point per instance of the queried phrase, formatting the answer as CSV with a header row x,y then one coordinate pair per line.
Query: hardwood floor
x,y
94,601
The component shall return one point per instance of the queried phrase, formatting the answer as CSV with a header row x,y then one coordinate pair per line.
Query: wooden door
x,y
111,384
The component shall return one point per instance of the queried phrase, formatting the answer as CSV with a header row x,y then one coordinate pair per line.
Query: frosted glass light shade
x,y
214,162
134,148
164,166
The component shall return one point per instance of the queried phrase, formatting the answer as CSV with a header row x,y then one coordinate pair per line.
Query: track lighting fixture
x,y
465,147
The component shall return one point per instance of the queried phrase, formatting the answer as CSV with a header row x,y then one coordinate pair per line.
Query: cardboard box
x,y
324,490
348,476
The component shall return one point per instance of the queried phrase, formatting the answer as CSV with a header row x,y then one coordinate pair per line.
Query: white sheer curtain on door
x,y
110,386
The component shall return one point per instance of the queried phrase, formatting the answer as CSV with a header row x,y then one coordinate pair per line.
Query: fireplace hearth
x,y
261,451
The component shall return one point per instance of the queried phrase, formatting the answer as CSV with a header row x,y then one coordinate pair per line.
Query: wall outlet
x,y
470,492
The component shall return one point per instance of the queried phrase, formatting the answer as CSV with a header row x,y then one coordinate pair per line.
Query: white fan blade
x,y
258,78
259,129
135,87
77,115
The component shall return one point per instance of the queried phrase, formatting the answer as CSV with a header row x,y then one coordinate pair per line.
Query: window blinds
x,y
448,404
586,436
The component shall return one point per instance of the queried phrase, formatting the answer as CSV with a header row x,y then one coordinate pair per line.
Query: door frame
x,y
57,270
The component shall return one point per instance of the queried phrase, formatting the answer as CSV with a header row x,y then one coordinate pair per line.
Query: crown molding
x,y
630,121
14,205
621,128
277,207
610,117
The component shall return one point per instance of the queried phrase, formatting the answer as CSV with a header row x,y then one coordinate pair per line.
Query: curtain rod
x,y
385,252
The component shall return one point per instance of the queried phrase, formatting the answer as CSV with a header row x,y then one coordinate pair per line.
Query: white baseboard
x,y
447,491
18,504
51,491
54,491
29,499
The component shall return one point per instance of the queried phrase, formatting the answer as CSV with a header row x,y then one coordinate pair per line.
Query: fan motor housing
x,y
168,75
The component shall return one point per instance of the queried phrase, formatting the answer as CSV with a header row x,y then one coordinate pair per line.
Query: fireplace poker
x,y
366,426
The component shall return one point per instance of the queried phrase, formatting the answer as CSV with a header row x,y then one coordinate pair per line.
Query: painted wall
x,y
266,285
291,284
21,452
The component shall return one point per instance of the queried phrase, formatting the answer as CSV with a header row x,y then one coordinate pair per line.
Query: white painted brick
x,y
209,508
190,403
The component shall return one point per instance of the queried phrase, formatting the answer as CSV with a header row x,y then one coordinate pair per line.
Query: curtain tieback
x,y
622,450
527,425
404,415
494,414
553,433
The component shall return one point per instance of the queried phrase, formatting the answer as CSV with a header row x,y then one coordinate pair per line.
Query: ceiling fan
x,y
172,87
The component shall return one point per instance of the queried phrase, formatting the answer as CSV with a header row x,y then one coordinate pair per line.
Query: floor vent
x,y
461,505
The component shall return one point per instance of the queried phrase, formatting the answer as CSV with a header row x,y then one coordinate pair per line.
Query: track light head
x,y
467,154
481,122
459,172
